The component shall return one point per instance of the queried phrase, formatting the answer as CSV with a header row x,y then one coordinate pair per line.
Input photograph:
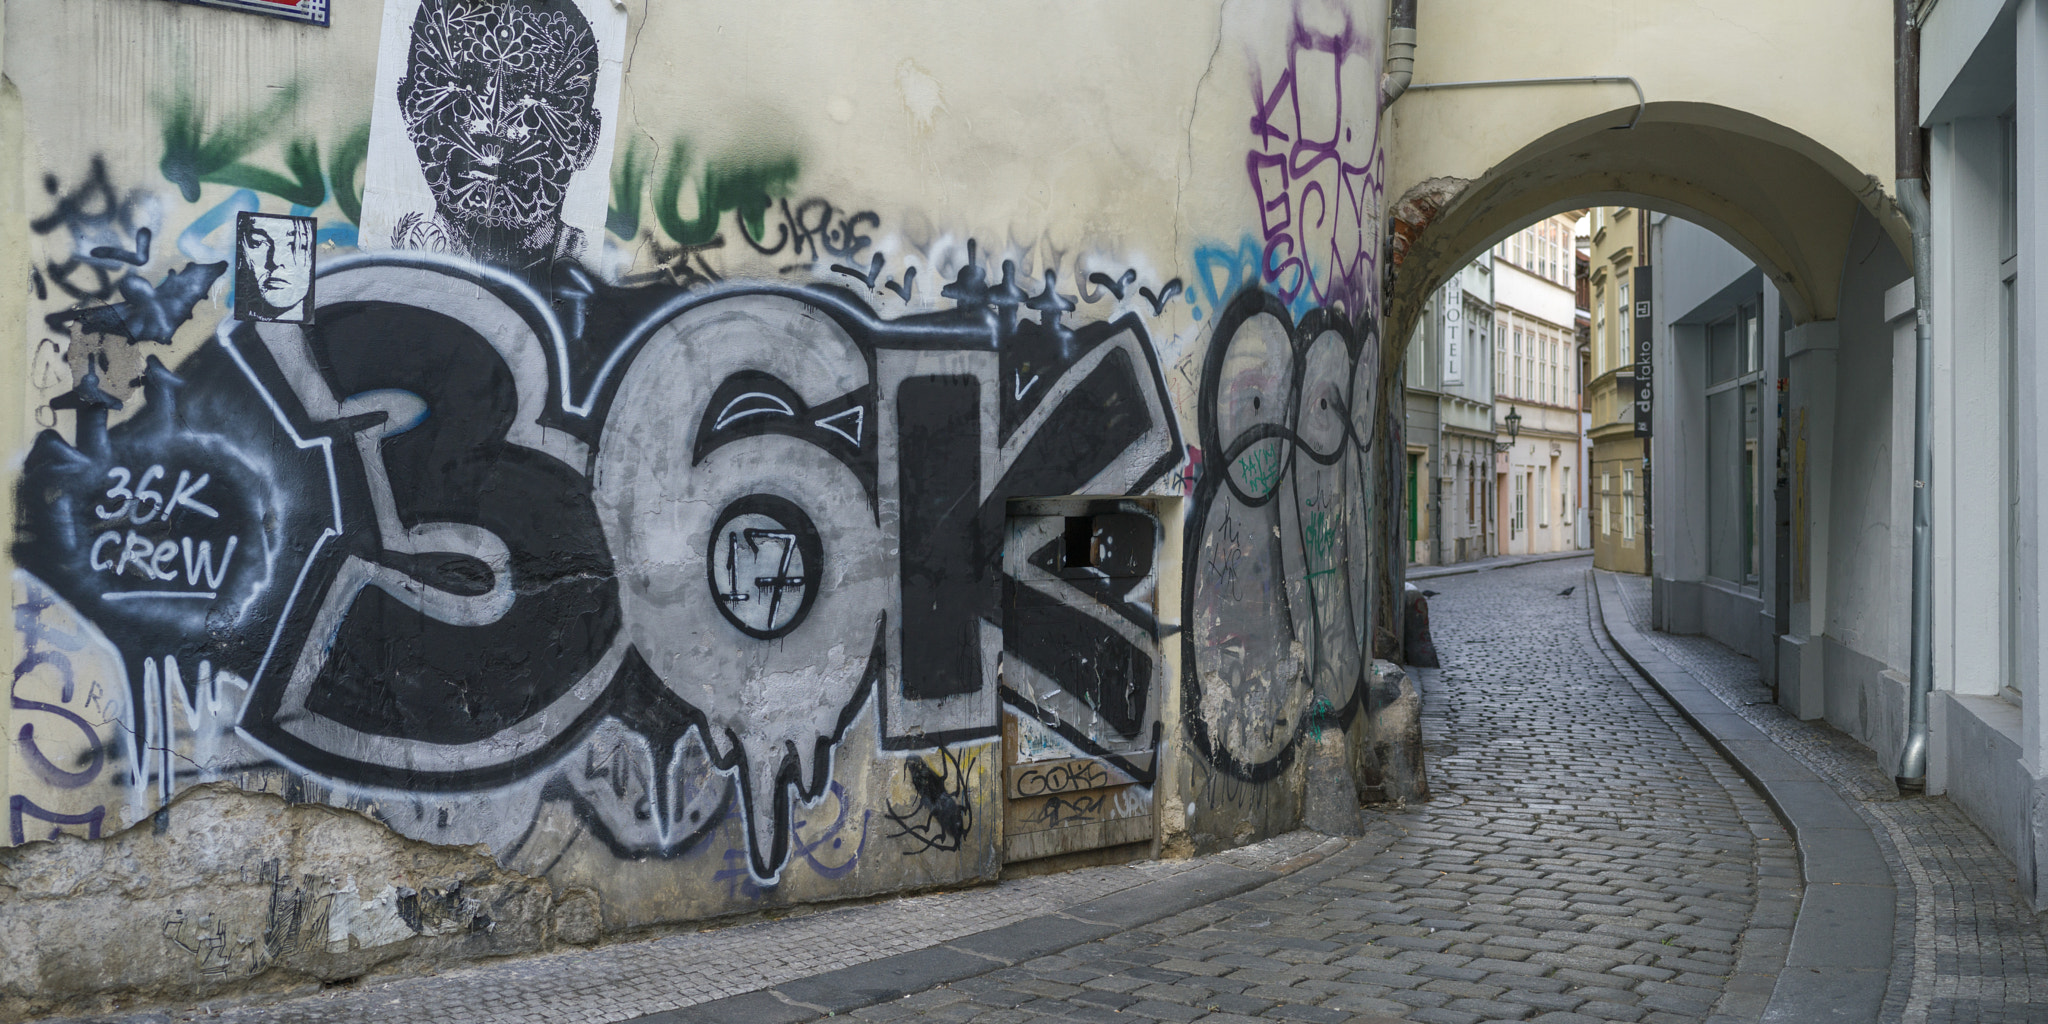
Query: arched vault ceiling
x,y
1785,202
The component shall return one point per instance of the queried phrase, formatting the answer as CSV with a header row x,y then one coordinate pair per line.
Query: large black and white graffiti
x,y
458,532
505,104
1082,629
1276,589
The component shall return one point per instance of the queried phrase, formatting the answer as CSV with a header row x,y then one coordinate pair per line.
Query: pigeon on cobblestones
x,y
1567,592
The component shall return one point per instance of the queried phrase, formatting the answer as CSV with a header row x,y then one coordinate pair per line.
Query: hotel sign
x,y
1453,336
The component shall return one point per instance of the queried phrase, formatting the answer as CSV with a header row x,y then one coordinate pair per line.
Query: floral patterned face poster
x,y
491,130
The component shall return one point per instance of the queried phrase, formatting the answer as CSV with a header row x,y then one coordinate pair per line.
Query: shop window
x,y
1734,463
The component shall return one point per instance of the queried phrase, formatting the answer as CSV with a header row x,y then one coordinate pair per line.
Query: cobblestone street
x,y
1588,856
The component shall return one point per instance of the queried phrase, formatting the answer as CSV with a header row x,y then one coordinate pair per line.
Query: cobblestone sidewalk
x,y
1589,858
1969,949
632,979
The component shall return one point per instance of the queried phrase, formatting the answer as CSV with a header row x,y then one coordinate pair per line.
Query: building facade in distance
x,y
1449,513
1536,387
1616,252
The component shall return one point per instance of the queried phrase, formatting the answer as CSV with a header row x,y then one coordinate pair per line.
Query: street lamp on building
x,y
1514,424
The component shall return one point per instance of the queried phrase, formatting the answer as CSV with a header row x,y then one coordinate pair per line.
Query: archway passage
x,y
1782,199
1770,450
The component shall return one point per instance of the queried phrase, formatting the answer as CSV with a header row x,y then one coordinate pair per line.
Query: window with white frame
x,y
1500,357
1565,494
1628,504
1600,328
1623,318
1606,504
1518,363
1520,515
1543,495
1556,370
1475,334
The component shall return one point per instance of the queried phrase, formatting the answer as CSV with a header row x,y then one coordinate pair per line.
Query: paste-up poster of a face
x,y
491,130
274,268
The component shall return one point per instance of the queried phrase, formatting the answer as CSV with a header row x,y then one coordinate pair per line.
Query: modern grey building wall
x,y
1743,395
1984,102
1700,288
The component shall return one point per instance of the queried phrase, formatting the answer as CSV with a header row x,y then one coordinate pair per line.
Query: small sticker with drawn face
x,y
274,268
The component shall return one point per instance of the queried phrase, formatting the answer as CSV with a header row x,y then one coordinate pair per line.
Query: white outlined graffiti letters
x,y
652,567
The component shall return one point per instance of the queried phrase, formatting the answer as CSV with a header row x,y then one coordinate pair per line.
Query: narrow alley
x,y
1587,856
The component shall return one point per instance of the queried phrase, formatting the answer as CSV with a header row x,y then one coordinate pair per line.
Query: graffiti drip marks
x,y
1277,585
438,548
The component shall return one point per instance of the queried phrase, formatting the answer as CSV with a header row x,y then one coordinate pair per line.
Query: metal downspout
x,y
1400,52
1912,189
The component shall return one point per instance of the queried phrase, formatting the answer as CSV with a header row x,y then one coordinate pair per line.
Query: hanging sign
x,y
1453,324
1643,340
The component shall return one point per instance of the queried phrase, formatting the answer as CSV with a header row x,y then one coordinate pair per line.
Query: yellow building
x,y
1618,476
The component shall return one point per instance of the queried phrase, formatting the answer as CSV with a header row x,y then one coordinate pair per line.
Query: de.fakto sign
x,y
1645,378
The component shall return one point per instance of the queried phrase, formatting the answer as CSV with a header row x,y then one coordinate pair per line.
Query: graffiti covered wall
x,y
1287,419
507,494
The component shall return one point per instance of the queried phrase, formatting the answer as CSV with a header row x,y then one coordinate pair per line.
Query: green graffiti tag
x,y
341,172
1259,468
629,178
196,153
746,186
1319,541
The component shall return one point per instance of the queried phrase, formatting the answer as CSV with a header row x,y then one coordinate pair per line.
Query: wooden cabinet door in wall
x,y
1081,675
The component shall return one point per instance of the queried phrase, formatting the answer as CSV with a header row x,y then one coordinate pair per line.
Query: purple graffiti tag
x,y
1317,171
20,809
832,840
29,623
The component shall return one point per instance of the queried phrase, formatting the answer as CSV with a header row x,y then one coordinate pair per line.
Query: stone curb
x,y
1430,572
889,978
1838,960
